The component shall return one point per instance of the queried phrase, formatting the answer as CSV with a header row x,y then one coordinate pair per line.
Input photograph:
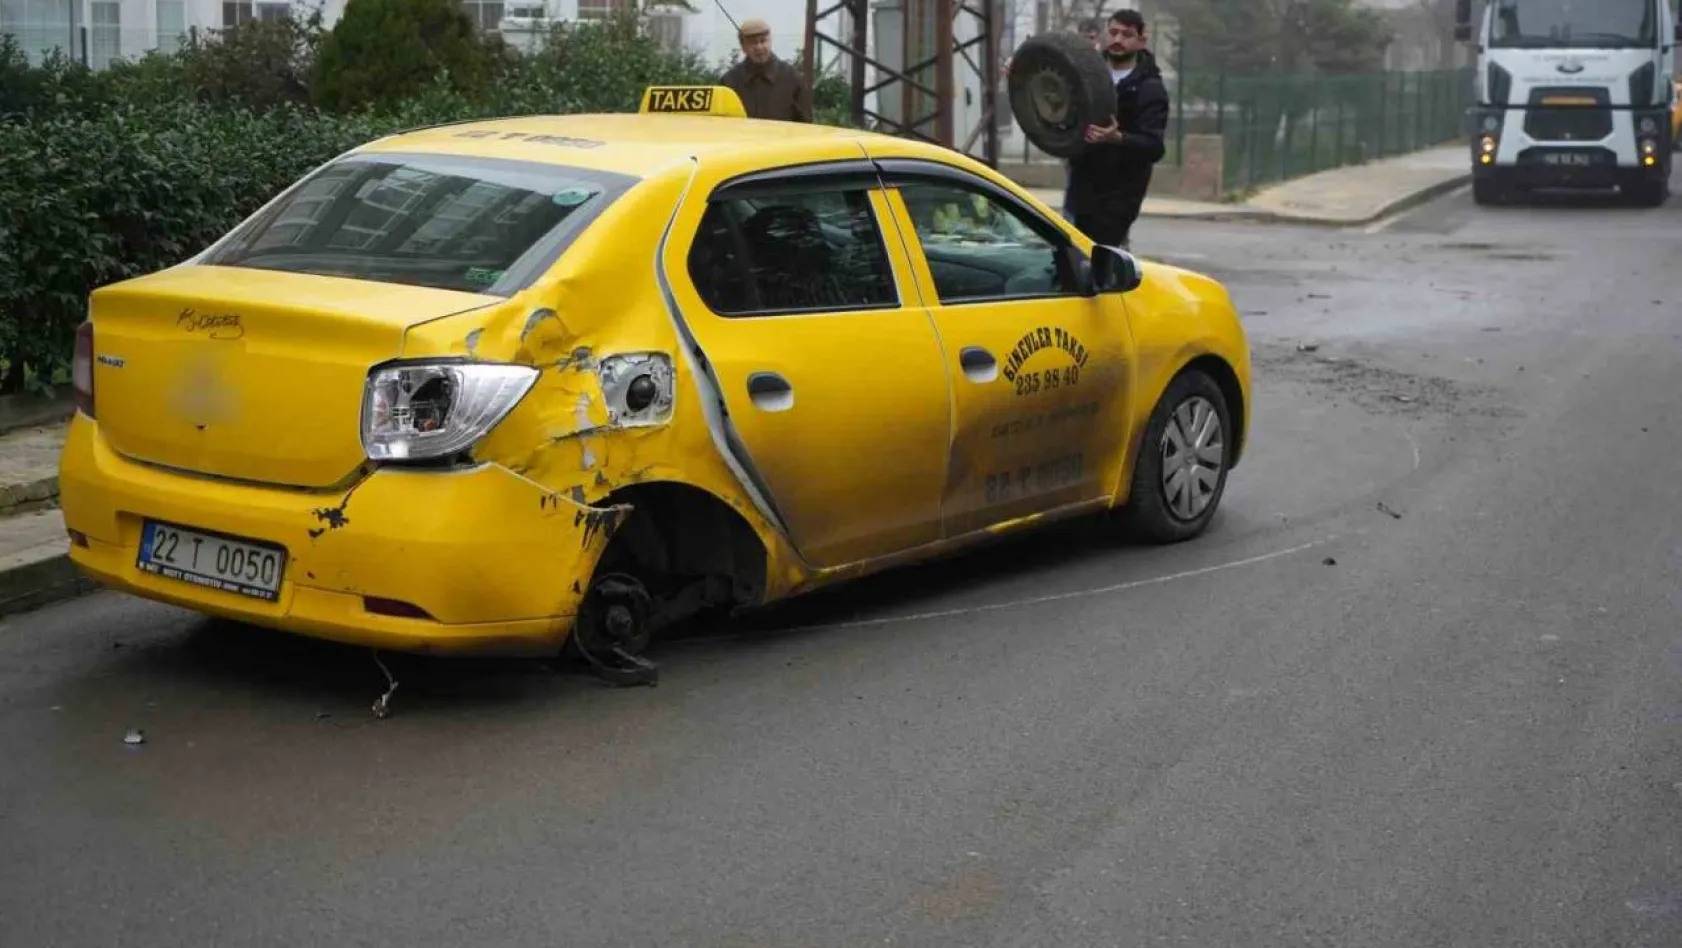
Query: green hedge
x,y
111,174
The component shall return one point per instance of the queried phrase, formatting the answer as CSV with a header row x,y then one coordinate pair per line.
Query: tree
x,y
383,51
1259,37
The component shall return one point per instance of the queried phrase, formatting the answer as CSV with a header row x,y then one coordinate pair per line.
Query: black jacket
x,y
776,90
1104,176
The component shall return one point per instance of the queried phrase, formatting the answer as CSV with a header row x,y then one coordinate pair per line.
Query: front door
x,y
827,362
1039,370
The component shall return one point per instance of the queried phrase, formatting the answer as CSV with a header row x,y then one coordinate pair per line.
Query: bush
x,y
383,51
57,86
90,200
107,175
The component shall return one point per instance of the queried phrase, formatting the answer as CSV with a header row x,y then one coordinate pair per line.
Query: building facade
x,y
99,32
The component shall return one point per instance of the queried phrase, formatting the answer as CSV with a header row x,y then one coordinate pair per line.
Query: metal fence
x,y
1274,128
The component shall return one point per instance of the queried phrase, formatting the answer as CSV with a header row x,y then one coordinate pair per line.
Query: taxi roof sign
x,y
692,100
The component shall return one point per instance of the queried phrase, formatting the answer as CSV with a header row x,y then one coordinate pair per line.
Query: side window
x,y
980,249
803,251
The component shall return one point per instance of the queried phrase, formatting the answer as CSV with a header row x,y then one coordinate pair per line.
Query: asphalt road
x,y
1421,685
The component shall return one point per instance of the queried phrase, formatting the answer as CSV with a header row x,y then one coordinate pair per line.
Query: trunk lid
x,y
249,374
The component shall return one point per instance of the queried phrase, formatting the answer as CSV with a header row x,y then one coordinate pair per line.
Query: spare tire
x,y
1059,85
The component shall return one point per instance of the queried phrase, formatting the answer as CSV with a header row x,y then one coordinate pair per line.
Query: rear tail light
x,y
81,368
424,410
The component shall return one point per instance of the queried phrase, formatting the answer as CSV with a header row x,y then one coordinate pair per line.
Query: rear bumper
x,y
497,561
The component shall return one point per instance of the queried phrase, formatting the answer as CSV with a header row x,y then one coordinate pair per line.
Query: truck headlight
x,y
421,410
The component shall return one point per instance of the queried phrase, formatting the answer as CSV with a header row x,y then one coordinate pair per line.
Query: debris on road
x,y
134,736
1328,561
1308,347
1385,509
382,705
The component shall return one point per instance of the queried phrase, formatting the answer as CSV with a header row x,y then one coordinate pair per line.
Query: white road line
x,y
1059,597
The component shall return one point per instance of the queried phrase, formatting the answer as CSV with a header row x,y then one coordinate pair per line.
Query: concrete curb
x,y
1238,213
35,583
27,496
17,414
1404,203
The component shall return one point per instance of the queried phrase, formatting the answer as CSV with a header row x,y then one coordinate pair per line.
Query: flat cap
x,y
753,27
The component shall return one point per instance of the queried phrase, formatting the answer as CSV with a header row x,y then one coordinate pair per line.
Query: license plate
x,y
1570,159
211,560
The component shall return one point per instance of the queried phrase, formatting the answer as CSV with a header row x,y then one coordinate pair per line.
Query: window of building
x,y
235,12
172,24
485,14
105,42
667,30
603,9
810,251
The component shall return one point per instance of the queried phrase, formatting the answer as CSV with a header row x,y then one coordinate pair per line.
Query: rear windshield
x,y
480,225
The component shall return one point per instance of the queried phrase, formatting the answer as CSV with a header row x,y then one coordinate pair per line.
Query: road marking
x,y
1059,597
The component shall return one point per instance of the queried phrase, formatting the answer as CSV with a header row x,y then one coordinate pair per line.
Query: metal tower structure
x,y
902,59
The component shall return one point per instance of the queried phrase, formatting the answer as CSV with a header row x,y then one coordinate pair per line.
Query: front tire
x,y
1180,475
1490,190
1647,192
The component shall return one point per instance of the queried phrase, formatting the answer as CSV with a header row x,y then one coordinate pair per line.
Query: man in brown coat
x,y
769,87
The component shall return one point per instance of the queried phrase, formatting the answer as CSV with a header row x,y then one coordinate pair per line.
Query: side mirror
x,y
1114,270
1076,270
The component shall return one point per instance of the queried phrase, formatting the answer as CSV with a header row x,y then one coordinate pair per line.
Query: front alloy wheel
x,y
1180,475
1193,457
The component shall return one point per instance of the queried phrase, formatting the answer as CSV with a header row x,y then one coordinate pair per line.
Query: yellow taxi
x,y
503,385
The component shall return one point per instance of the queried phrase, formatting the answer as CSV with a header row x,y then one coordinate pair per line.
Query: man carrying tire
x,y
1092,31
1109,178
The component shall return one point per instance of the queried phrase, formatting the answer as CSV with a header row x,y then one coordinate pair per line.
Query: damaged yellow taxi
x,y
504,385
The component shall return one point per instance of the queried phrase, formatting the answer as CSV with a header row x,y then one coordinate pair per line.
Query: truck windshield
x,y
1547,24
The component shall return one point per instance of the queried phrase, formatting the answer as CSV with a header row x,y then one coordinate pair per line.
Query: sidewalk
x,y
35,566
1352,196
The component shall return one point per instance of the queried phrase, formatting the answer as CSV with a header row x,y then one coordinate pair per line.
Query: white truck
x,y
1572,93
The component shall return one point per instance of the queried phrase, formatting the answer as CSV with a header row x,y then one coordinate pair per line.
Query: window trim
x,y
839,176
898,172
525,269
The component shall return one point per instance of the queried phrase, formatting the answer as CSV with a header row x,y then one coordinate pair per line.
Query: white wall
x,y
124,28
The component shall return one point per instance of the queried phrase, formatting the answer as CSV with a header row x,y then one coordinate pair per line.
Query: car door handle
x,y
770,392
978,364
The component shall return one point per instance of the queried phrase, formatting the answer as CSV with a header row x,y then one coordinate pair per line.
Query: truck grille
x,y
1580,121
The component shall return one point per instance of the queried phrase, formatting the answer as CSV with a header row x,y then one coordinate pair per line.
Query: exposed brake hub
x,y
613,628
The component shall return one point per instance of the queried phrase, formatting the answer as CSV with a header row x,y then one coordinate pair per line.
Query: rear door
x,y
830,374
1040,371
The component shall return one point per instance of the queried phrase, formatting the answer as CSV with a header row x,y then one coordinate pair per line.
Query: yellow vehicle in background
x,y
1676,114
487,386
